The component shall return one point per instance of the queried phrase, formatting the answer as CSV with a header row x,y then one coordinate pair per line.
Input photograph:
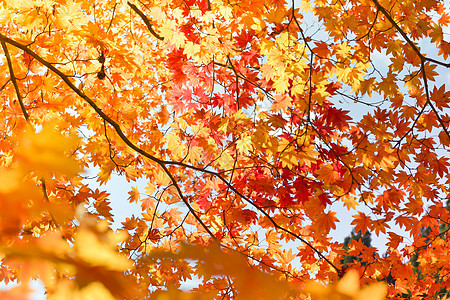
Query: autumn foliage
x,y
254,124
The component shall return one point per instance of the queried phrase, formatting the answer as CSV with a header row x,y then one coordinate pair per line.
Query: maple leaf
x,y
286,256
324,199
99,253
444,49
148,203
134,195
327,174
430,71
380,226
204,202
322,49
244,144
70,15
440,96
325,222
348,287
337,117
362,222
44,152
444,19
225,160
244,217
281,103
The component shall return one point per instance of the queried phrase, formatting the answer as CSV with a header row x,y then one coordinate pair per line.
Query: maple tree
x,y
231,111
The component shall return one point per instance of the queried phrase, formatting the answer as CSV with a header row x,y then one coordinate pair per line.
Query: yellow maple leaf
x,y
100,252
194,154
281,102
134,195
45,152
225,160
281,84
244,145
276,15
173,142
348,288
349,201
70,15
94,290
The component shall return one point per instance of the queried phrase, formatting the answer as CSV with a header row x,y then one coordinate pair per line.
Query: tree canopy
x,y
253,123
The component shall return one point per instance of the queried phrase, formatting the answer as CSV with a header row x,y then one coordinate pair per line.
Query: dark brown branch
x,y
14,81
44,191
112,17
237,81
5,84
427,93
407,39
146,21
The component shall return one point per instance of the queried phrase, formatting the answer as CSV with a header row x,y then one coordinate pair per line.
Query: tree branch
x,y
14,81
407,39
146,21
